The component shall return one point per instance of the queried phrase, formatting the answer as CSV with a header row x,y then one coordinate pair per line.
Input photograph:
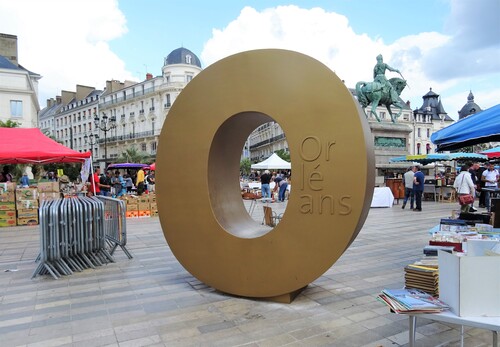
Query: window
x,y
153,147
143,147
189,78
418,132
427,148
418,148
16,108
428,133
188,59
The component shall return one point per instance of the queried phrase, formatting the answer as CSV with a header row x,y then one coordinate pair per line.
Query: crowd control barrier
x,y
115,225
76,234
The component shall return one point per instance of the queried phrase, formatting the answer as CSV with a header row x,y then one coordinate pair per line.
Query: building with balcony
x,y
140,109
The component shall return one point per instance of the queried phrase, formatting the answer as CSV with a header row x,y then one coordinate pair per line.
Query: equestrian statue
x,y
381,91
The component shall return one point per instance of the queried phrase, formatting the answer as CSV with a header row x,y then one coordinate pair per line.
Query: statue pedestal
x,y
389,140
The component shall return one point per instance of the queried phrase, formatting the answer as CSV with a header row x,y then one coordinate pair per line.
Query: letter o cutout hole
x,y
199,198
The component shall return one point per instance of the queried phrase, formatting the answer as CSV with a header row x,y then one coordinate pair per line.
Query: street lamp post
x,y
91,140
105,124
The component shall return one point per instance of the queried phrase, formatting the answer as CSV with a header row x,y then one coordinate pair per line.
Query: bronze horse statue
x,y
376,94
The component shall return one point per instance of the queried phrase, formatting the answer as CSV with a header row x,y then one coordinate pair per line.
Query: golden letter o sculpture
x,y
199,199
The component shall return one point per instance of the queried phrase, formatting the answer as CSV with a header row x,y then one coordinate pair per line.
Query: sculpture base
x,y
286,298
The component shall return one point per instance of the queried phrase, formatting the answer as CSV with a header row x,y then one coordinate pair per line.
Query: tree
x,y
283,154
9,124
132,155
245,165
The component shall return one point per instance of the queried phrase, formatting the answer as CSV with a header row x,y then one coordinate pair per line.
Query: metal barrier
x,y
115,225
75,234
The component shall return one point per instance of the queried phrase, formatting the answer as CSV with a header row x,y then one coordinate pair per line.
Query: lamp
x,y
105,124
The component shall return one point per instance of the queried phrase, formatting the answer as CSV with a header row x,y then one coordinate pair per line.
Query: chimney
x,y
408,103
8,47
149,76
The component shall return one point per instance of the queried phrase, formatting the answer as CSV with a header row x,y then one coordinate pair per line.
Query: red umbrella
x,y
152,166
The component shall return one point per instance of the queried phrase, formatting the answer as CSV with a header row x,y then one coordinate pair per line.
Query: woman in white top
x,y
463,185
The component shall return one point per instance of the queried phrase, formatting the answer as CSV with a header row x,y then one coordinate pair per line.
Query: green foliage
x,y
72,170
283,154
9,124
245,166
132,155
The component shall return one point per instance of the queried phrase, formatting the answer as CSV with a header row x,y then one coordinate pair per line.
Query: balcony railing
x,y
132,136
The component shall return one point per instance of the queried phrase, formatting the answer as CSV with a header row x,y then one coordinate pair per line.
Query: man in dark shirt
x,y
418,188
480,185
473,173
106,184
265,180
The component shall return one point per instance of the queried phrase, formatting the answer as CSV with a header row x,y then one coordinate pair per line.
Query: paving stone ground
x,y
151,300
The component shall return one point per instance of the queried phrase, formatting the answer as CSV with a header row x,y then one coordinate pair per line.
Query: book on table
x,y
411,300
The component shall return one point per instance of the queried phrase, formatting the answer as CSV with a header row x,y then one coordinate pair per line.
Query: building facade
x,y
129,114
18,87
139,110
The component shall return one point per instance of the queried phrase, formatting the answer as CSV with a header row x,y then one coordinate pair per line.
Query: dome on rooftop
x,y
182,56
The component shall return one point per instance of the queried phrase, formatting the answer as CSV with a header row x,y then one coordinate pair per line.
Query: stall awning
x,y
31,146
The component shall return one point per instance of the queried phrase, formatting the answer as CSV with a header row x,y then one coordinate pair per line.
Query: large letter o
x,y
201,211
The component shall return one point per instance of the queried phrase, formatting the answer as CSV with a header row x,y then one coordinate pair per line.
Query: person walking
x,y
418,188
464,186
481,183
408,182
473,167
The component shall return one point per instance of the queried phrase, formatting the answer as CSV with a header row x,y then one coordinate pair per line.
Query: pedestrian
x,y
490,179
129,184
139,182
25,181
464,186
265,181
105,184
118,184
408,182
473,167
151,181
480,186
94,187
418,188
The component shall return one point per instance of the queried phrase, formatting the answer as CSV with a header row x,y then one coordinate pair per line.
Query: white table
x,y
487,323
382,197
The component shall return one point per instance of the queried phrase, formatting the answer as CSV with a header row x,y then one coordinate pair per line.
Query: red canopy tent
x,y
31,146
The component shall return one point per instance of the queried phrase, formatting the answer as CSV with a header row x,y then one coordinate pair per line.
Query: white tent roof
x,y
273,162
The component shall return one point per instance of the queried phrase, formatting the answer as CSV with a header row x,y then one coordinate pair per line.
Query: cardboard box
x,y
47,196
5,214
7,197
154,213
24,204
27,213
7,206
27,221
132,207
153,206
470,284
48,187
7,187
7,221
26,194
143,206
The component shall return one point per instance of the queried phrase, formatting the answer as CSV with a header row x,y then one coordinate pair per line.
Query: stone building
x,y
18,86
469,108
129,114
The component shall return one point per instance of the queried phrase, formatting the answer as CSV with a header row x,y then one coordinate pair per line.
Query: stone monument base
x,y
390,140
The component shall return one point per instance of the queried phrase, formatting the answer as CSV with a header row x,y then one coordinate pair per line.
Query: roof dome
x,y
469,108
182,56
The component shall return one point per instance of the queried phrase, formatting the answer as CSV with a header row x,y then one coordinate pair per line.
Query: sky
x,y
451,46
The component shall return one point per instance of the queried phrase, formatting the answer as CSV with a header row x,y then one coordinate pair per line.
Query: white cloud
x,y
328,37
66,42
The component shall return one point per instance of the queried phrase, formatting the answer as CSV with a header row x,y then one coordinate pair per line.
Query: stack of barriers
x,y
75,234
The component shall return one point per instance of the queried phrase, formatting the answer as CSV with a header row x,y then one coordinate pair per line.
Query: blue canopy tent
x,y
434,157
478,128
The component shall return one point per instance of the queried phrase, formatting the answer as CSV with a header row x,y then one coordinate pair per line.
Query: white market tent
x,y
273,162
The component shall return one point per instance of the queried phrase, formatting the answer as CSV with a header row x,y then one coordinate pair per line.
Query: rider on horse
x,y
379,76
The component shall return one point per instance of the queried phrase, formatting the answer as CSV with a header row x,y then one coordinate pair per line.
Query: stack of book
x,y
411,300
425,278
